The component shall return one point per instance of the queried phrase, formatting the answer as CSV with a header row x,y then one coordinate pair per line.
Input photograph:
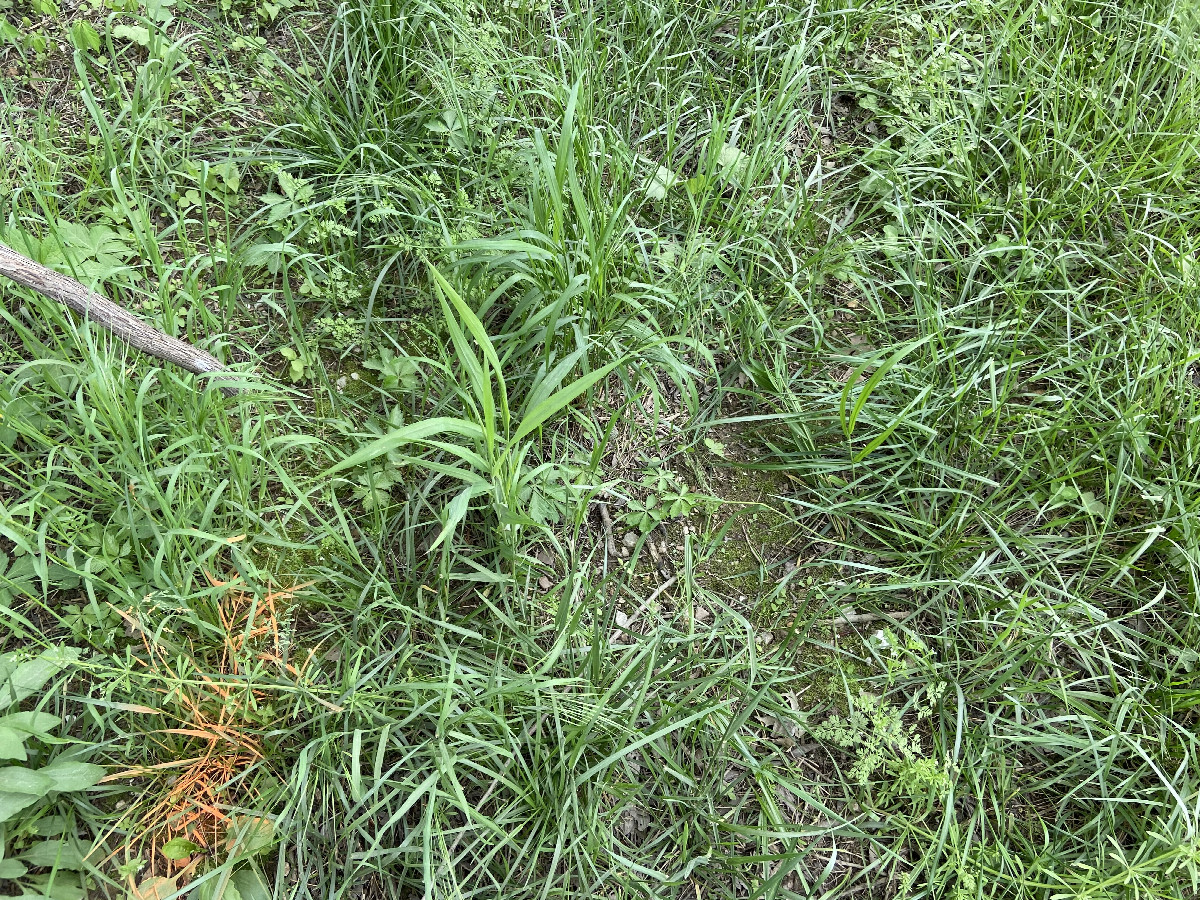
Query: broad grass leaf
x,y
848,421
478,374
469,319
456,511
547,384
54,855
12,744
878,440
13,803
557,401
417,431
38,724
26,678
481,376
63,885
506,245
12,869
466,454
69,775
22,780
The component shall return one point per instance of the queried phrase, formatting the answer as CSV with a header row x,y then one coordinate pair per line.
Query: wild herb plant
x,y
681,451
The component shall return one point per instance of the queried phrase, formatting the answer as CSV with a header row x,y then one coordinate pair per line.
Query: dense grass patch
x,y
684,451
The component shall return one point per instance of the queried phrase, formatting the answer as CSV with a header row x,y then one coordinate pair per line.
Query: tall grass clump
x,y
682,451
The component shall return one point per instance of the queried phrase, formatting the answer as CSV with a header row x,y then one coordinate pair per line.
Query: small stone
x,y
621,619
630,540
544,583
700,614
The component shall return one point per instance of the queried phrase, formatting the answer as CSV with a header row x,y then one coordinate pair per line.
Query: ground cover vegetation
x,y
723,450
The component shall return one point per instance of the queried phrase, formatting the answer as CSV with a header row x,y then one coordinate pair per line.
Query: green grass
x,y
720,451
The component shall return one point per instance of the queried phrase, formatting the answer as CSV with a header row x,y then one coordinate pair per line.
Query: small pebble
x,y
630,539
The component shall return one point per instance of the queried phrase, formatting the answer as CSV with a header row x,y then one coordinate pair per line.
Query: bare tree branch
x,y
107,314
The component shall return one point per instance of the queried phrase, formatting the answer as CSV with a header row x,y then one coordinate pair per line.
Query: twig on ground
x,y
116,319
610,546
666,585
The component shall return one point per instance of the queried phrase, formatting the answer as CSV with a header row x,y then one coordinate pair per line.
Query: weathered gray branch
x,y
107,314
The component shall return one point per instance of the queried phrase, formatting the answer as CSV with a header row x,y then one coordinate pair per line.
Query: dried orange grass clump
x,y
217,710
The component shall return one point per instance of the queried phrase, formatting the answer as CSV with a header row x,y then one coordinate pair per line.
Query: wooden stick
x,y
666,585
108,315
610,546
